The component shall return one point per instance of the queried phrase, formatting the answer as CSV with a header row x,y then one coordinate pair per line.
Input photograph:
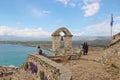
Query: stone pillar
x,y
56,45
67,45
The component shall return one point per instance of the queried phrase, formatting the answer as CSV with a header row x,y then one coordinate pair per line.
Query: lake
x,y
16,54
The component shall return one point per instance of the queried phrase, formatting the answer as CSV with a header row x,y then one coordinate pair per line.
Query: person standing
x,y
85,48
39,50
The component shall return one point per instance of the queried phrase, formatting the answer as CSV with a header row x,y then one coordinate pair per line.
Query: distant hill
x,y
90,38
15,38
95,41
74,38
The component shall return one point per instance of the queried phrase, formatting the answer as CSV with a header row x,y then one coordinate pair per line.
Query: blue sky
x,y
38,18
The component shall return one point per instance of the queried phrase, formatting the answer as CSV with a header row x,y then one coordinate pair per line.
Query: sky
x,y
39,18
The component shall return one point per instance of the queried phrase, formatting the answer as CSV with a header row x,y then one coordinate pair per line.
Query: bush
x,y
41,75
26,65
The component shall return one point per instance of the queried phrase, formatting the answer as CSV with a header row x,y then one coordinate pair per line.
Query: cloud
x,y
116,28
78,34
65,2
117,18
91,7
26,32
72,4
98,29
103,28
39,12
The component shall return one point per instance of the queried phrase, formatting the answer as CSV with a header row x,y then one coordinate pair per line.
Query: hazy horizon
x,y
49,38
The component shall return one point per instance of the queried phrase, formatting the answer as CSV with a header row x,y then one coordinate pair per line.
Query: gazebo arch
x,y
56,41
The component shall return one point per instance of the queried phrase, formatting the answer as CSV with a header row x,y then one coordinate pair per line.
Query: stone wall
x,y
111,54
116,37
51,69
65,58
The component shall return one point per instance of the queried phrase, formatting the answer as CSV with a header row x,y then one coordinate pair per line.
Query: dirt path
x,y
88,69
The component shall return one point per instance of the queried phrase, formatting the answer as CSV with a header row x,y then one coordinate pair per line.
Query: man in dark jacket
x,y
85,48
40,50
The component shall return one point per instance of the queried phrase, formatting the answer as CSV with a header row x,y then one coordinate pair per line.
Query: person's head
x,y
38,47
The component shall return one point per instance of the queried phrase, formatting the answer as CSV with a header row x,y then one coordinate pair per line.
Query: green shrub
x,y
26,65
41,75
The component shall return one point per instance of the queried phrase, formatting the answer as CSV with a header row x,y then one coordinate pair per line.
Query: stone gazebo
x,y
56,38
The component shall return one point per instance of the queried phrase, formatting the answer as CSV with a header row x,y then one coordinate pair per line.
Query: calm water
x,y
16,54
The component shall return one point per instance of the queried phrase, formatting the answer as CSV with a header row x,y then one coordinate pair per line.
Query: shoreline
x,y
7,70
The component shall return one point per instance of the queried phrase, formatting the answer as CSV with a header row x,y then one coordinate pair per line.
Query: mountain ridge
x,y
74,38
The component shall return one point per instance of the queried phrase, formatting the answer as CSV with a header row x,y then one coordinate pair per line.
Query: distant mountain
x,y
74,38
4,38
90,38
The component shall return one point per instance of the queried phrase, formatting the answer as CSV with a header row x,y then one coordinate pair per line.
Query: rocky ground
x,y
89,68
6,72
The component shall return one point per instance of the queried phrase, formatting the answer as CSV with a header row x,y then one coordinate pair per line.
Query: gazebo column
x,y
67,45
55,45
